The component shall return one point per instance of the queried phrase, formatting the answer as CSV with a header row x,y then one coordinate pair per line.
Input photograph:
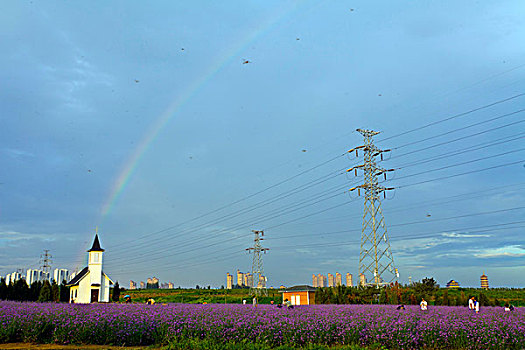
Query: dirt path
x,y
19,346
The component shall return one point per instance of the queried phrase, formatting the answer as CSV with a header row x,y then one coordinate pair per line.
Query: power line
x,y
453,117
460,129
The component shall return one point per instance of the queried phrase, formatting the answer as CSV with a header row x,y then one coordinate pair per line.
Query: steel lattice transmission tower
x,y
45,262
375,258
258,286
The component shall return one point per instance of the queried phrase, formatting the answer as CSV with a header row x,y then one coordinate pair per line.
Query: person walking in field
x,y
477,306
423,305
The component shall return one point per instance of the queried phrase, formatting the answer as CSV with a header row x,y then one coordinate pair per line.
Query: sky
x,y
177,128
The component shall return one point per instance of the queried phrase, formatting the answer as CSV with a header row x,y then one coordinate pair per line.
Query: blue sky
x,y
193,106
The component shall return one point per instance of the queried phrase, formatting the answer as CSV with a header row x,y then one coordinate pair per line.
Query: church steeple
x,y
96,244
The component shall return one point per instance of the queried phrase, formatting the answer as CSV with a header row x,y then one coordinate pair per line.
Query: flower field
x,y
441,327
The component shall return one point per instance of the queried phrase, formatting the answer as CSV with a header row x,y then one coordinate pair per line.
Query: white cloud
x,y
508,251
18,153
12,236
464,235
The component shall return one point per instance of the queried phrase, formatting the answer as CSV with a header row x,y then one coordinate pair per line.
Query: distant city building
x,y
12,277
362,280
229,281
452,284
132,285
164,285
349,282
153,283
248,279
484,281
33,276
170,285
142,285
262,281
331,280
338,279
314,280
240,278
321,280
60,275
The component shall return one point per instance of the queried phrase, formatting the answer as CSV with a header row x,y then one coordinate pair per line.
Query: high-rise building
x,y
262,281
60,275
240,278
331,280
349,282
338,279
249,280
362,279
229,281
321,280
33,276
170,285
132,285
314,280
142,285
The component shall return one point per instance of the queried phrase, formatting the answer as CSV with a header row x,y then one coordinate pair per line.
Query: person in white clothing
x,y
471,303
423,305
477,306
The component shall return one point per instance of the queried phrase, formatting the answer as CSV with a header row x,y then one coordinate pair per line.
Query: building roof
x,y
78,277
96,245
301,288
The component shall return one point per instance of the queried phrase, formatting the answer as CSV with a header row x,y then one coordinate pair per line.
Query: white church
x,y
91,285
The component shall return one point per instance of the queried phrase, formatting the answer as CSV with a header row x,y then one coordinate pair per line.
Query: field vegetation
x,y
232,326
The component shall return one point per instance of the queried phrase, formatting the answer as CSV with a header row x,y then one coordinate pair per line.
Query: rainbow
x,y
124,176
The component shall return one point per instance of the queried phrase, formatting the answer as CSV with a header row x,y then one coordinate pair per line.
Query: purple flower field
x,y
441,327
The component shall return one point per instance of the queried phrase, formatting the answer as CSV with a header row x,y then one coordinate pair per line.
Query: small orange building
x,y
299,295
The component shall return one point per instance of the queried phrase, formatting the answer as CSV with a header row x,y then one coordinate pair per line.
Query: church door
x,y
94,295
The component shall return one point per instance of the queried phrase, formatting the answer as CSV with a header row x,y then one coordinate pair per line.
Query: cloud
x,y
12,236
514,251
18,153
463,235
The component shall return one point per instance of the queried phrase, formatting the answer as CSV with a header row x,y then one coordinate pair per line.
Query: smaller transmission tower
x,y
45,263
375,257
258,286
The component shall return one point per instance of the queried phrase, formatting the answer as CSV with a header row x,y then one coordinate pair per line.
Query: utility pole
x,y
258,286
45,263
375,258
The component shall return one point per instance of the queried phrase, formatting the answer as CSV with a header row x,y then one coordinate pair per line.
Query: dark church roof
x,y
78,277
302,288
96,245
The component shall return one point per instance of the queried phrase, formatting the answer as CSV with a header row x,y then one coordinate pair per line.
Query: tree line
x,y
397,294
37,291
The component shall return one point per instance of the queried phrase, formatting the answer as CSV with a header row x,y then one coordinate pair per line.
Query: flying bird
x,y
303,150
428,215
136,81
246,61
351,10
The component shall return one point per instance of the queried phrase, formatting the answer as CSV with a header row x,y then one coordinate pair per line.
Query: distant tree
x,y
20,290
483,300
116,292
209,287
34,290
55,292
197,287
222,287
64,292
426,288
444,300
3,289
45,292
